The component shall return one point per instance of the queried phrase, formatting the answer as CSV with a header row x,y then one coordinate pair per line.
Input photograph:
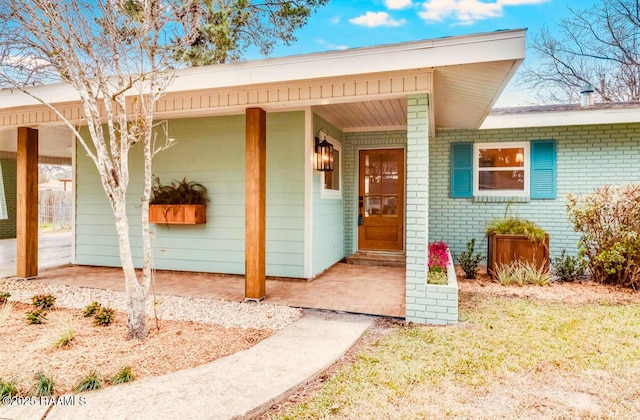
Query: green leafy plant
x,y
124,375
567,268
104,316
91,309
521,273
37,316
4,296
469,261
178,192
609,220
43,301
44,385
91,382
8,388
516,226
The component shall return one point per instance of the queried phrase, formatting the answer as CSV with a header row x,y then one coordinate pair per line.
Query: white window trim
x,y
333,194
502,145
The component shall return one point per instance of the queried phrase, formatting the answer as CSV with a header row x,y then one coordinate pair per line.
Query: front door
x,y
381,200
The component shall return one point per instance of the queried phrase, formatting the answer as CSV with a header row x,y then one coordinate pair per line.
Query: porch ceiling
x,y
462,97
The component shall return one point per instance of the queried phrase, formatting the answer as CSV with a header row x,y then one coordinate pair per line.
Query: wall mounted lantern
x,y
324,153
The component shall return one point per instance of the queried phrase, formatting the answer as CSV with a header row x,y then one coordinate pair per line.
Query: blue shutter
x,y
543,169
461,170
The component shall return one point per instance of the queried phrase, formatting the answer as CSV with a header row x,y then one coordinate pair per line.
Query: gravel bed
x,y
209,311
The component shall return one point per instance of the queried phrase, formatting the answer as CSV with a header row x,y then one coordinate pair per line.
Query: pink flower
x,y
438,256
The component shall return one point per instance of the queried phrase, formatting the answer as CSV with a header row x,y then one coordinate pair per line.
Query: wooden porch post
x,y
27,203
255,204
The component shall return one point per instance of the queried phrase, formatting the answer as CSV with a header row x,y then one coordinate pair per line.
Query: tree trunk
x,y
136,293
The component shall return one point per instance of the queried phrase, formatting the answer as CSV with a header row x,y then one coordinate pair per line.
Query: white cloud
x,y
397,4
466,12
373,19
331,46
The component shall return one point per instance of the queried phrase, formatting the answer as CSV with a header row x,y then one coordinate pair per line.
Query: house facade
x,y
382,108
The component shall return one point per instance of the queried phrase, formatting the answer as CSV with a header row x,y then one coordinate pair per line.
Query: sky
x,y
348,24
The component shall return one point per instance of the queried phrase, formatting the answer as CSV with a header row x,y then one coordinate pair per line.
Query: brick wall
x,y
588,156
8,177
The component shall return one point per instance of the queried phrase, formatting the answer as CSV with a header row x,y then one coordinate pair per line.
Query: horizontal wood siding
x,y
328,214
209,151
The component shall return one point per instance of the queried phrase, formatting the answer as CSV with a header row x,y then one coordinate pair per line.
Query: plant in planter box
x,y
438,260
513,239
181,202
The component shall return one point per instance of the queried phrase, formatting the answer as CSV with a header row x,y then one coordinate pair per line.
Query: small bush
x,y
469,261
609,220
516,226
567,268
438,260
4,296
44,385
8,388
123,376
91,382
61,336
43,301
37,316
91,309
521,273
104,316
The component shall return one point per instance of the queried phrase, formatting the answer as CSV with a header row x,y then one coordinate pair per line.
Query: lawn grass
x,y
511,358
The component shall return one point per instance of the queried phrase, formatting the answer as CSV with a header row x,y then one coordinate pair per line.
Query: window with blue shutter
x,y
461,170
543,169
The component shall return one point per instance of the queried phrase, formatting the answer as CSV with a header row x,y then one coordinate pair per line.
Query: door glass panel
x,y
390,205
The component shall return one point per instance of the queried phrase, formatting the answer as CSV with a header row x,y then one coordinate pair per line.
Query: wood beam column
x,y
255,204
27,203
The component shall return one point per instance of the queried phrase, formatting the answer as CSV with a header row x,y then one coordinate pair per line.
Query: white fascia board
x,y
494,46
561,118
485,47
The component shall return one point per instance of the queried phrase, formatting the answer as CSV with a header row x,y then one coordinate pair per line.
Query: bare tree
x,y
598,46
113,53
120,56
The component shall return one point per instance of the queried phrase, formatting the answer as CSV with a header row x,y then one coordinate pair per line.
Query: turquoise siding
x,y
587,157
209,151
328,214
8,191
350,149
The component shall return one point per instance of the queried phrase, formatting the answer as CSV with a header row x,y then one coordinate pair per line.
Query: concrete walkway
x,y
54,250
237,386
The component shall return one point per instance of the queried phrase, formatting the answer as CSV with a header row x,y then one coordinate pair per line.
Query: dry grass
x,y
513,357
105,350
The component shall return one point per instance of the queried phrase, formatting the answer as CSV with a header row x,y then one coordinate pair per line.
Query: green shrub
x,y
8,388
104,316
91,382
178,192
37,316
609,220
516,226
568,268
44,385
123,376
469,261
521,273
4,296
43,301
91,309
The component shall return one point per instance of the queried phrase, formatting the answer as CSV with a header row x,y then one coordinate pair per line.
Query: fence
x,y
54,210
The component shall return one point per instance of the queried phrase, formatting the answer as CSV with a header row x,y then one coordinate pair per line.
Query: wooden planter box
x,y
178,214
504,249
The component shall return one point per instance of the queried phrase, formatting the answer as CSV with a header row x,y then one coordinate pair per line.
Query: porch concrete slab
x,y
238,386
343,287
54,250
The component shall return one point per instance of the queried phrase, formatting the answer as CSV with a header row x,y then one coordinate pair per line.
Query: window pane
x,y
332,179
501,180
390,205
501,158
